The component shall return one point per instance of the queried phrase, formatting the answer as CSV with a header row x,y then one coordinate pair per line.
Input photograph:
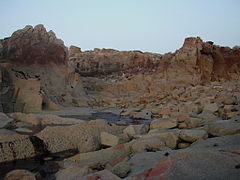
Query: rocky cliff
x,y
204,59
39,71
35,73
129,78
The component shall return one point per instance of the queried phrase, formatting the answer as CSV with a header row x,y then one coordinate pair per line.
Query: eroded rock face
x,y
35,72
107,61
196,58
113,77
34,45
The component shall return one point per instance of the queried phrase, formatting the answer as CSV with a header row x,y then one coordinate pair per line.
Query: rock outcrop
x,y
177,115
111,76
35,72
102,62
34,45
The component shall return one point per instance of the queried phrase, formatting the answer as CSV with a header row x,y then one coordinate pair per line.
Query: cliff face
x,y
102,62
35,73
133,78
203,59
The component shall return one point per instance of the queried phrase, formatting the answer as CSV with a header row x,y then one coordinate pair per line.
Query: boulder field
x,y
118,114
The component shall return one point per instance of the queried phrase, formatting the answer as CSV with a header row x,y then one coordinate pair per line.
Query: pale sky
x,y
148,25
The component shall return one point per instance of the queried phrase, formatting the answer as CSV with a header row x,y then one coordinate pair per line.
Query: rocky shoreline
x,y
107,114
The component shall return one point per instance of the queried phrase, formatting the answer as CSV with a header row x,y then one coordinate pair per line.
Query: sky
x,y
158,26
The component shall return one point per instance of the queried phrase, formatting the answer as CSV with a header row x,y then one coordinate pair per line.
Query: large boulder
x,y
191,163
15,147
83,137
192,135
223,128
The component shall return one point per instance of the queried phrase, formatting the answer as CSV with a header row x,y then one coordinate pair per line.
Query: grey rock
x,y
4,120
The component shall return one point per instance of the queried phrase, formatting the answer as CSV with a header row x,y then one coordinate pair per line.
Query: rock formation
x,y
148,116
35,72
111,75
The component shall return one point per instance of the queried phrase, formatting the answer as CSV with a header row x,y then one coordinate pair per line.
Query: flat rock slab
x,y
224,128
163,123
192,135
111,155
193,165
108,139
101,175
145,160
215,158
71,172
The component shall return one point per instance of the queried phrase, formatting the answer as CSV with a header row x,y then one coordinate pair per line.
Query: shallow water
x,y
46,168
109,117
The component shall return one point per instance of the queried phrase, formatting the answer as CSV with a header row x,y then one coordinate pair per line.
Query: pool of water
x,y
46,165
109,117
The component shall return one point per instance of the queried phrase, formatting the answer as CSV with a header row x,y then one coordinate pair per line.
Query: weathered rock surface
x,y
35,72
108,139
20,175
170,137
194,87
163,123
224,128
83,137
133,130
71,173
193,162
193,135
15,147
104,174
101,158
121,169
148,144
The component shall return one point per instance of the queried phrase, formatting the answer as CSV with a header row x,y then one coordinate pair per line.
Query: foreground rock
x,y
193,135
108,139
224,128
105,174
100,159
83,137
192,163
170,137
16,147
20,175
35,74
